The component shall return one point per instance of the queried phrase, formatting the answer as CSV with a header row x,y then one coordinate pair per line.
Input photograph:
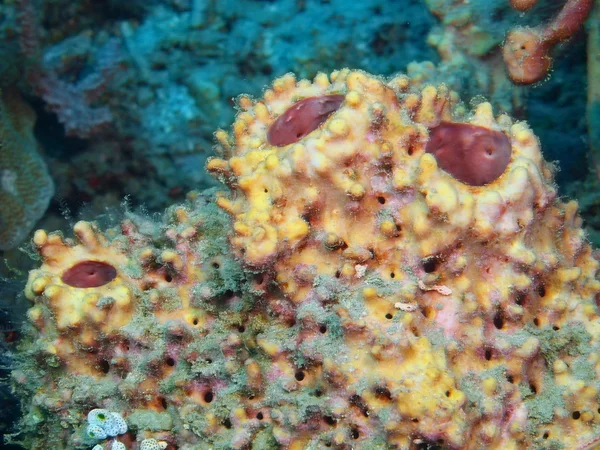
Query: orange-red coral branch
x,y
523,5
527,50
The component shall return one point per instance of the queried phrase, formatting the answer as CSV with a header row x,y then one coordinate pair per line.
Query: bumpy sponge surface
x,y
346,291
468,294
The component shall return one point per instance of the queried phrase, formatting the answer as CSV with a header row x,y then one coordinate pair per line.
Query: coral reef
x,y
70,101
346,291
130,92
150,81
25,185
470,40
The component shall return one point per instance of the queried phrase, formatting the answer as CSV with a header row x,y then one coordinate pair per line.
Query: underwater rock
x,y
346,291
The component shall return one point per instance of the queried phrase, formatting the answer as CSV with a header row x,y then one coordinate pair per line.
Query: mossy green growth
x,y
437,337
142,419
571,339
132,269
582,369
471,383
86,389
264,439
541,404
552,444
327,288
197,423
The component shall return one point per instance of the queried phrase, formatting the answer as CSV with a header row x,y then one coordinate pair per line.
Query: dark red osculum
x,y
471,154
302,118
89,274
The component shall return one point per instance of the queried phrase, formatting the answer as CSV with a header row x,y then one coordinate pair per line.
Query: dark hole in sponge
x,y
430,264
359,402
499,320
520,298
329,420
383,392
541,290
104,366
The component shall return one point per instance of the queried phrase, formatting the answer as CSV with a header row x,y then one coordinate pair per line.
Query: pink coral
x,y
526,50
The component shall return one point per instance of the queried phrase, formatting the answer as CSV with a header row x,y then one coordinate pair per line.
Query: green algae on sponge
x,y
25,185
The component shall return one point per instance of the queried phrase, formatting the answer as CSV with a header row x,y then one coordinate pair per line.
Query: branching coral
x,y
527,51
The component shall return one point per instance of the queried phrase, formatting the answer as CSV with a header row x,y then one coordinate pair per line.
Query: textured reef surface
x,y
127,95
385,269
